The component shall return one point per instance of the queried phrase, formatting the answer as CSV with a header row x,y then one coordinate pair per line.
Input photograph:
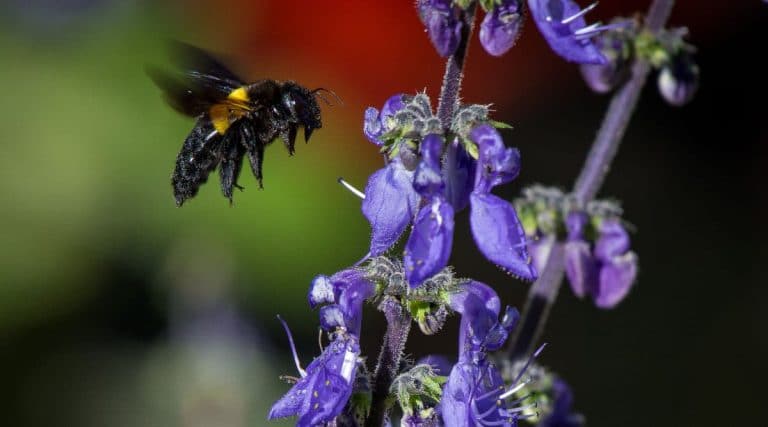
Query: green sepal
x,y
500,125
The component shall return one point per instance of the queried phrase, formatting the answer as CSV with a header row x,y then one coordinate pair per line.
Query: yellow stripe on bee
x,y
239,95
222,115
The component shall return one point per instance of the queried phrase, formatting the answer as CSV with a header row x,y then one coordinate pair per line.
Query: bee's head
x,y
301,103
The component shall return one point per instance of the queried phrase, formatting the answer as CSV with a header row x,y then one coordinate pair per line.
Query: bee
x,y
233,119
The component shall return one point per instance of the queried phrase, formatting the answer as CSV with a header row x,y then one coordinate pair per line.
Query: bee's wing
x,y
191,93
189,57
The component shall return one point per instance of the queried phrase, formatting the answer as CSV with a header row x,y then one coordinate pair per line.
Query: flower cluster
x,y
665,50
561,22
325,387
607,270
432,174
598,261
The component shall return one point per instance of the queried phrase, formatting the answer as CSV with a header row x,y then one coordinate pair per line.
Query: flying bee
x,y
233,119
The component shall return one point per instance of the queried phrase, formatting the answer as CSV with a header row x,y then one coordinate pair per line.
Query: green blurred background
x,y
118,309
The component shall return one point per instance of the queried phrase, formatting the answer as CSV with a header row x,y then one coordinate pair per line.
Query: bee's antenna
x,y
322,89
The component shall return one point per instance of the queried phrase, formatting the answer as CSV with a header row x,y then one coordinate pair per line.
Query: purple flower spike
x,y
443,26
428,180
389,205
429,246
562,24
499,235
500,27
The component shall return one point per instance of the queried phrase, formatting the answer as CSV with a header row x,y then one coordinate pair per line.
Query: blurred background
x,y
118,309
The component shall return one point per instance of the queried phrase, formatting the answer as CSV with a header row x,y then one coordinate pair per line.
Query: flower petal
x,y
497,164
616,279
580,268
459,176
428,180
443,27
429,246
321,291
500,27
613,240
389,205
331,317
566,31
372,126
499,234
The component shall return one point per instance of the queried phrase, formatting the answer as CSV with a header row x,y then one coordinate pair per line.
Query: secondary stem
x,y
388,365
543,292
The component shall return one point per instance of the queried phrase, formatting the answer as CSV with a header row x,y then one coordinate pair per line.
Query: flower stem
x,y
543,293
388,364
454,72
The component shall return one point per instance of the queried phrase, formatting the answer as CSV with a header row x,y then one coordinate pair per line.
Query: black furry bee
x,y
233,119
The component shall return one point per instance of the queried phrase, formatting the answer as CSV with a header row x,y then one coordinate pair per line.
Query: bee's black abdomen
x,y
199,155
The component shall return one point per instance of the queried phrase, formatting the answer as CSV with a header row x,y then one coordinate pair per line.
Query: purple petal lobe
x,y
389,205
320,291
428,181
429,246
372,126
616,279
580,268
497,164
499,234
443,27
575,223
468,399
566,31
500,27
459,176
322,394
351,301
331,317
613,240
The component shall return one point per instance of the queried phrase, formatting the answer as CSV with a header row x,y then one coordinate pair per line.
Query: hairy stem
x,y
388,364
454,72
543,292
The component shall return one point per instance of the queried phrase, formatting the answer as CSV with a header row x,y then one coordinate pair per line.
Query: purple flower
x,y
443,25
495,225
501,26
326,385
617,48
430,196
475,393
377,123
324,389
606,272
562,24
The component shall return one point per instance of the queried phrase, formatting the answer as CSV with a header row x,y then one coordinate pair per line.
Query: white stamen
x,y
579,14
514,390
351,188
588,29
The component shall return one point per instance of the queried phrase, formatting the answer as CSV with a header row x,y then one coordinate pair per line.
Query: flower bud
x,y
443,26
616,47
679,80
501,26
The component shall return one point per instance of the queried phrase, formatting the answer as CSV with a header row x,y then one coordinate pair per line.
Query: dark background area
x,y
116,308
